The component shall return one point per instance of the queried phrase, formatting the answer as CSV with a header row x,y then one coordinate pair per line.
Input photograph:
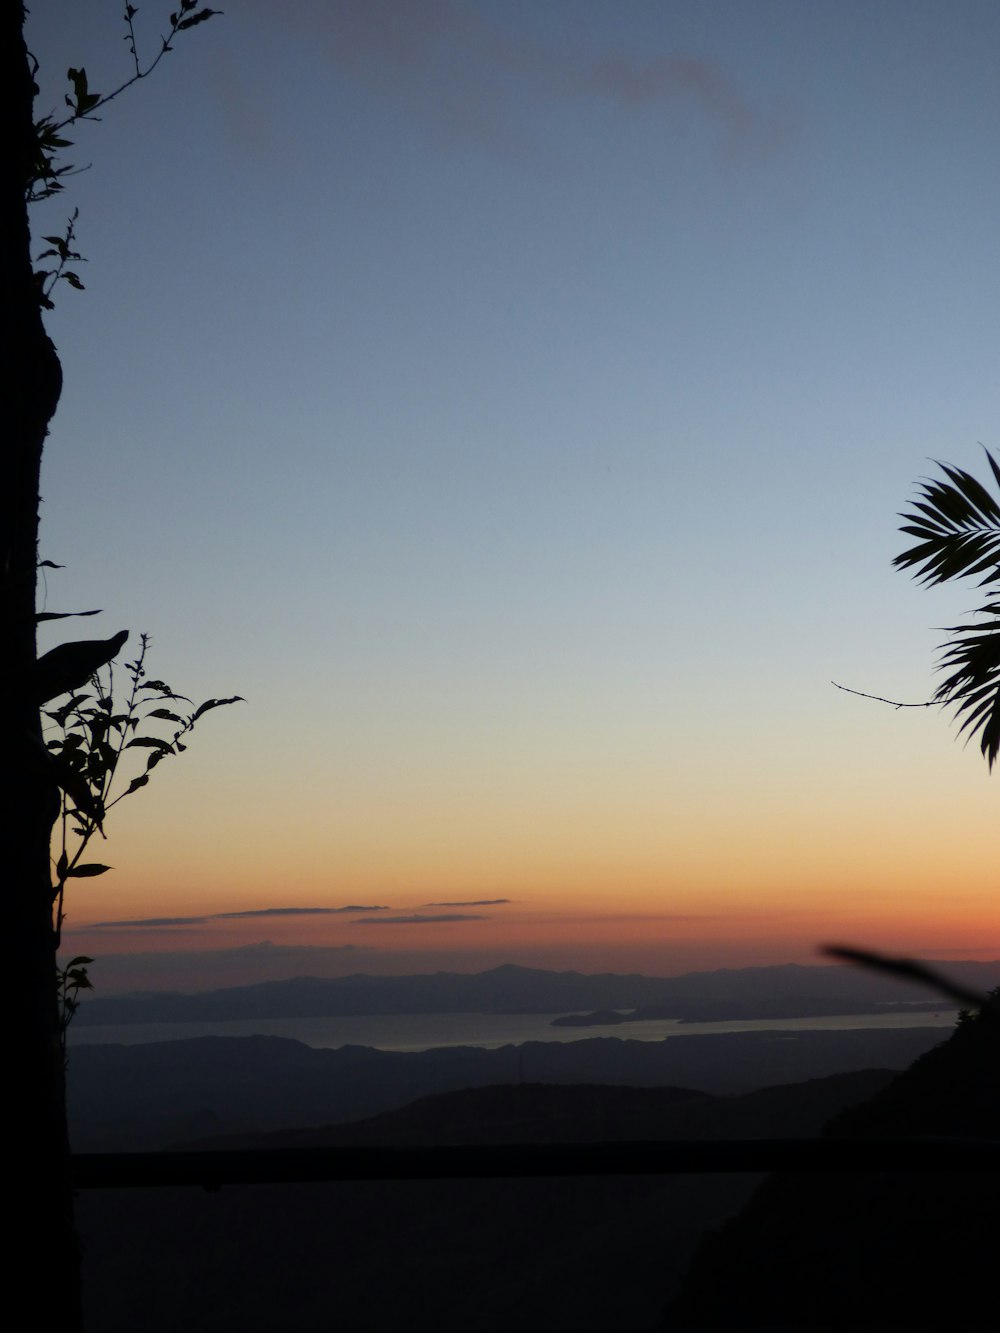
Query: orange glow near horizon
x,y
545,932
656,867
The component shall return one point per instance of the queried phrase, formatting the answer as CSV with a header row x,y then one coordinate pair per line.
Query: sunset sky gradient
x,y
514,402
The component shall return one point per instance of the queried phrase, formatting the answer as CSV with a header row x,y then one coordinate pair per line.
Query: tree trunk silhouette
x,y
39,1211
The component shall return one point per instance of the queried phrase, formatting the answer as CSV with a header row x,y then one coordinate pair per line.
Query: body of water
x,y
421,1032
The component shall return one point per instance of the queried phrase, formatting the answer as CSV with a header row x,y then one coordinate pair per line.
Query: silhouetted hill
x,y
440,1255
787,991
585,1113
880,1251
148,1095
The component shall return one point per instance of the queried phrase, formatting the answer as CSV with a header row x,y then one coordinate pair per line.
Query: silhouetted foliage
x,y
89,735
957,525
36,780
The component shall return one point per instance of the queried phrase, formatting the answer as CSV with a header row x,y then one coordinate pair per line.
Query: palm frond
x,y
957,523
972,656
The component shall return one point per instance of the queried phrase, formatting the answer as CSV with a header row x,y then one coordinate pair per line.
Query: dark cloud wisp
x,y
475,902
151,922
470,72
419,920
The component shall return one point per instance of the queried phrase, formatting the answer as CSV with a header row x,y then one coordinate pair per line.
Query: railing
x,y
212,1170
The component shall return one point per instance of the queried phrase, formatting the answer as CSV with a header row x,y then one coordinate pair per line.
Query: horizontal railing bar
x,y
260,1166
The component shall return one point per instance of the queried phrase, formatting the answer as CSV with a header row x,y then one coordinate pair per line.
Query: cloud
x,y
273,950
475,77
418,920
298,911
264,949
656,916
477,902
158,922
148,922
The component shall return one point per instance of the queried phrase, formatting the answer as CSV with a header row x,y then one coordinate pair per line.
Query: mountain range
x,y
787,991
149,1095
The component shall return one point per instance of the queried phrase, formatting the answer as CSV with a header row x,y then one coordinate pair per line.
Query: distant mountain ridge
x,y
789,990
585,1113
148,1095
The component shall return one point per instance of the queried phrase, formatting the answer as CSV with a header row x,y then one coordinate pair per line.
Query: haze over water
x,y
419,1032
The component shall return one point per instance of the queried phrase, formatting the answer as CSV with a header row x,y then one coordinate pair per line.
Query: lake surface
x,y
421,1032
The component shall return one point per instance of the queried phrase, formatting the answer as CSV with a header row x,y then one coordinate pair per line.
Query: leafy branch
x,y
60,247
88,737
70,981
46,174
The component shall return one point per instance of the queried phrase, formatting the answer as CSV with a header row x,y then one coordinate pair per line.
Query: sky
x,y
514,402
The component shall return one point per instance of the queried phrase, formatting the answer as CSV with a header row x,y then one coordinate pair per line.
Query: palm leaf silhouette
x,y
957,525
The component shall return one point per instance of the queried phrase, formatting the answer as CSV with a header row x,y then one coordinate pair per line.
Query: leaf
x,y
81,960
49,564
215,703
98,730
62,615
135,784
87,871
163,689
151,743
73,280
200,17
166,714
85,99
62,866
61,715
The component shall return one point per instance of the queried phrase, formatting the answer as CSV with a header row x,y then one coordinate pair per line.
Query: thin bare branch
x,y
894,703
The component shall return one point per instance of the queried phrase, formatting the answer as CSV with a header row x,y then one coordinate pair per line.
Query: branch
x,y
910,970
86,103
930,703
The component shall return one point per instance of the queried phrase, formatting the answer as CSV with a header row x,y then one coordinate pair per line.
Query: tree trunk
x,y
43,1252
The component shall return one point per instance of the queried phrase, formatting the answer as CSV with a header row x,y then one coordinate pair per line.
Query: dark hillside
x,y
589,1113
883,1251
490,1254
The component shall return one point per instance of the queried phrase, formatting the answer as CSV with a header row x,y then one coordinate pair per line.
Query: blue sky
x,y
514,401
